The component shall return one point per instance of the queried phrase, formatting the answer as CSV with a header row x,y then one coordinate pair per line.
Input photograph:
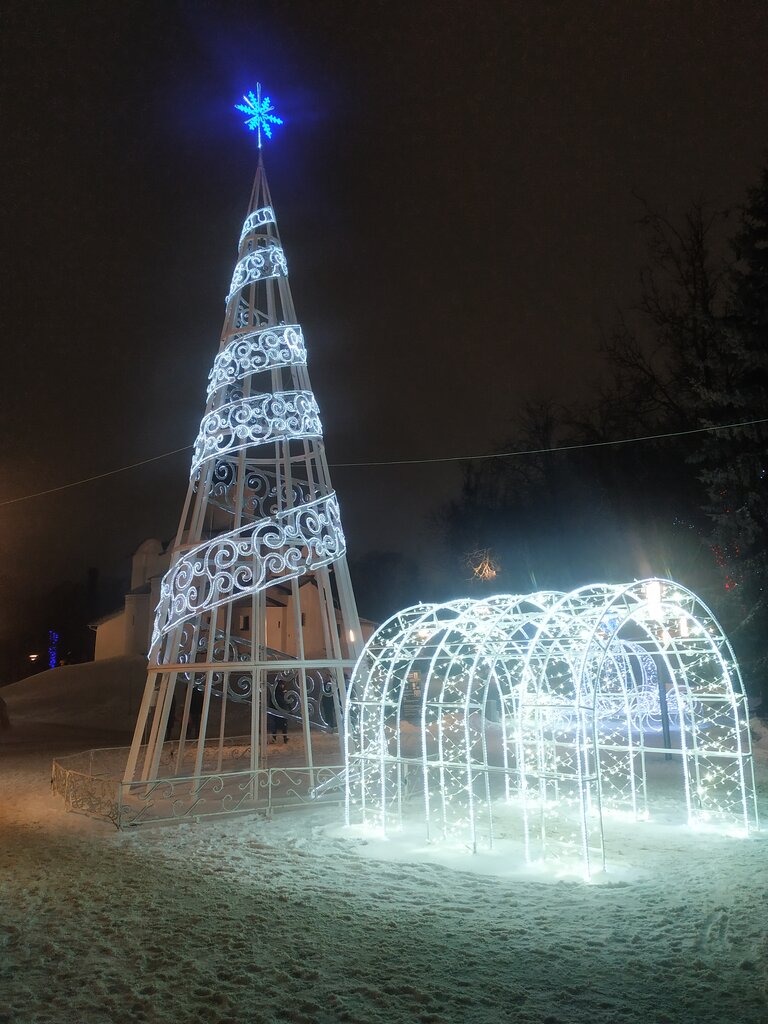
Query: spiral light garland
x,y
260,514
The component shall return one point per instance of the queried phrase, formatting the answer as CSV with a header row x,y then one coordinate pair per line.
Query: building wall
x,y
282,627
136,623
154,601
149,560
368,628
110,638
311,624
277,628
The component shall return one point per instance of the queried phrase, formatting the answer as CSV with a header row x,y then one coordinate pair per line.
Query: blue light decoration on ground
x,y
259,110
53,648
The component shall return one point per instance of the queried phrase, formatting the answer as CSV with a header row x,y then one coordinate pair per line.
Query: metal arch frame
x,y
494,616
456,777
682,604
369,692
553,658
548,778
420,624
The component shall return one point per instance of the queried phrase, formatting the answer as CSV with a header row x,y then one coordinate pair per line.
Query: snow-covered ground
x,y
294,919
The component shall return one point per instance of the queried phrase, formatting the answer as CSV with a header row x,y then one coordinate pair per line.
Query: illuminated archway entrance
x,y
551,704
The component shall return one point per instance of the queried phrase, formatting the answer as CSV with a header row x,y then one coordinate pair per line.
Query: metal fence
x,y
90,783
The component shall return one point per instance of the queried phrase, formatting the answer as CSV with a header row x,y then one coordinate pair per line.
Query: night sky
x,y
454,189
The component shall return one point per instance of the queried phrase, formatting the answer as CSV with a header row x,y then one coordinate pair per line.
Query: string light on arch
x,y
551,704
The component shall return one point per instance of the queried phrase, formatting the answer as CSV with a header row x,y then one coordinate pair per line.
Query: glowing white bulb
x,y
653,597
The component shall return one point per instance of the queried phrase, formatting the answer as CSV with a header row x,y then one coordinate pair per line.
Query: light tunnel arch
x,y
578,682
444,644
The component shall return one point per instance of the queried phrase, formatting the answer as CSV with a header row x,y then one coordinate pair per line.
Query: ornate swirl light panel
x,y
248,560
258,265
259,218
267,348
260,496
194,642
234,679
283,416
243,314
233,675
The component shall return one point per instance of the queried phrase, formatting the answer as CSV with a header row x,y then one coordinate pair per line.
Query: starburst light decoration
x,y
260,112
483,566
546,711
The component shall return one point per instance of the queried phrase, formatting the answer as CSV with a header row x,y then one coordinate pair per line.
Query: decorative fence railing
x,y
90,783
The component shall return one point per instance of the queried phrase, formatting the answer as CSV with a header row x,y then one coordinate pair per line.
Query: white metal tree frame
x,y
553,704
259,522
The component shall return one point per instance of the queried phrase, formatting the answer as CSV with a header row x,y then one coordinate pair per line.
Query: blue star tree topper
x,y
259,110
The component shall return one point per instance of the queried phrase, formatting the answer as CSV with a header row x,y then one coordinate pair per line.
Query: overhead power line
x,y
416,462
545,451
99,476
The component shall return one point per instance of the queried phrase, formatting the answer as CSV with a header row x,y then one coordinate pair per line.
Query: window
x,y
245,622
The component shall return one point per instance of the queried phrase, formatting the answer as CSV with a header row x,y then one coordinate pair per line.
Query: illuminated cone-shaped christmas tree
x,y
256,617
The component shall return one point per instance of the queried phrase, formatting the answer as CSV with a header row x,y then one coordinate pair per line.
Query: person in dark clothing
x,y
275,718
195,712
274,722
